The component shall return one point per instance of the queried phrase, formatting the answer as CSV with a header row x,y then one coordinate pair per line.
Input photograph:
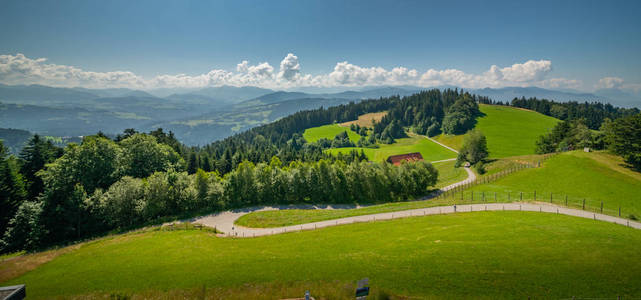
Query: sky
x,y
581,45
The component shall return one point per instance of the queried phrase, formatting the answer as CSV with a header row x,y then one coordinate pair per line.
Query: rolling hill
x,y
596,177
481,255
429,150
510,131
329,132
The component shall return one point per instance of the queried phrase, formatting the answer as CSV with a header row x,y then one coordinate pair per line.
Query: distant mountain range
x,y
200,116
614,97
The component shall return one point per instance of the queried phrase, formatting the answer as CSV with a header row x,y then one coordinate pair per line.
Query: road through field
x,y
224,221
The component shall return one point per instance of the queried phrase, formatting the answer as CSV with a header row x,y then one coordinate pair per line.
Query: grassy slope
x,y
329,132
480,255
594,176
366,119
431,151
447,174
509,131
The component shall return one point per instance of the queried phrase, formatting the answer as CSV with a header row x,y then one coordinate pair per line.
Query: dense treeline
x,y
102,185
571,135
593,114
423,112
430,112
622,136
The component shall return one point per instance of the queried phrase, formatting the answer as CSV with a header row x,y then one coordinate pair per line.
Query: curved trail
x,y
224,221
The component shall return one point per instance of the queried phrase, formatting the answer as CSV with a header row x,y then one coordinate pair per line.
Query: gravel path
x,y
446,146
225,221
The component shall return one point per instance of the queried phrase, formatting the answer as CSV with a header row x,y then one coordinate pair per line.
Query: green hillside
x,y
429,150
595,177
481,255
329,132
510,131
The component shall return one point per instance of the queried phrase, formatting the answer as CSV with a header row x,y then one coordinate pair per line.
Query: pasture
x,y
596,177
329,132
429,150
366,120
487,255
510,131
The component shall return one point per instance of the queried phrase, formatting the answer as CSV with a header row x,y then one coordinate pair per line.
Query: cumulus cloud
x,y
289,68
561,83
19,69
609,83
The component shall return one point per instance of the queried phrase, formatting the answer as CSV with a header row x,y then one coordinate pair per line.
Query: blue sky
x,y
583,41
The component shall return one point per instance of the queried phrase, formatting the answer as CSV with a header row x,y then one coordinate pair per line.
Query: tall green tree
x,y
35,155
12,191
625,139
474,148
142,155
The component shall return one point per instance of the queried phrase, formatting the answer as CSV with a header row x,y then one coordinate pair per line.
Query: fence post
x,y
521,196
472,197
483,196
495,197
508,196
584,204
550,197
601,206
534,195
566,200
619,211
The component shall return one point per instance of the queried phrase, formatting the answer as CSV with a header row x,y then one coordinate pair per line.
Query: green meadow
x,y
596,177
329,132
510,131
483,255
429,150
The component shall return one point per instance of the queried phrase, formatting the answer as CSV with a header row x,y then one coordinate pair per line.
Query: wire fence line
x,y
463,194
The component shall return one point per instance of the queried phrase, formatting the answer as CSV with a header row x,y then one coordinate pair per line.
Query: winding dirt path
x,y
224,221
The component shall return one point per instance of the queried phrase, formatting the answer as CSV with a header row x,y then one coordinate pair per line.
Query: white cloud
x,y
527,72
561,83
617,83
289,68
19,69
609,83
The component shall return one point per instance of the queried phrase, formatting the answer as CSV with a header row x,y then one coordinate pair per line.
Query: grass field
x,y
454,141
329,132
448,174
366,119
510,131
470,255
595,177
429,150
